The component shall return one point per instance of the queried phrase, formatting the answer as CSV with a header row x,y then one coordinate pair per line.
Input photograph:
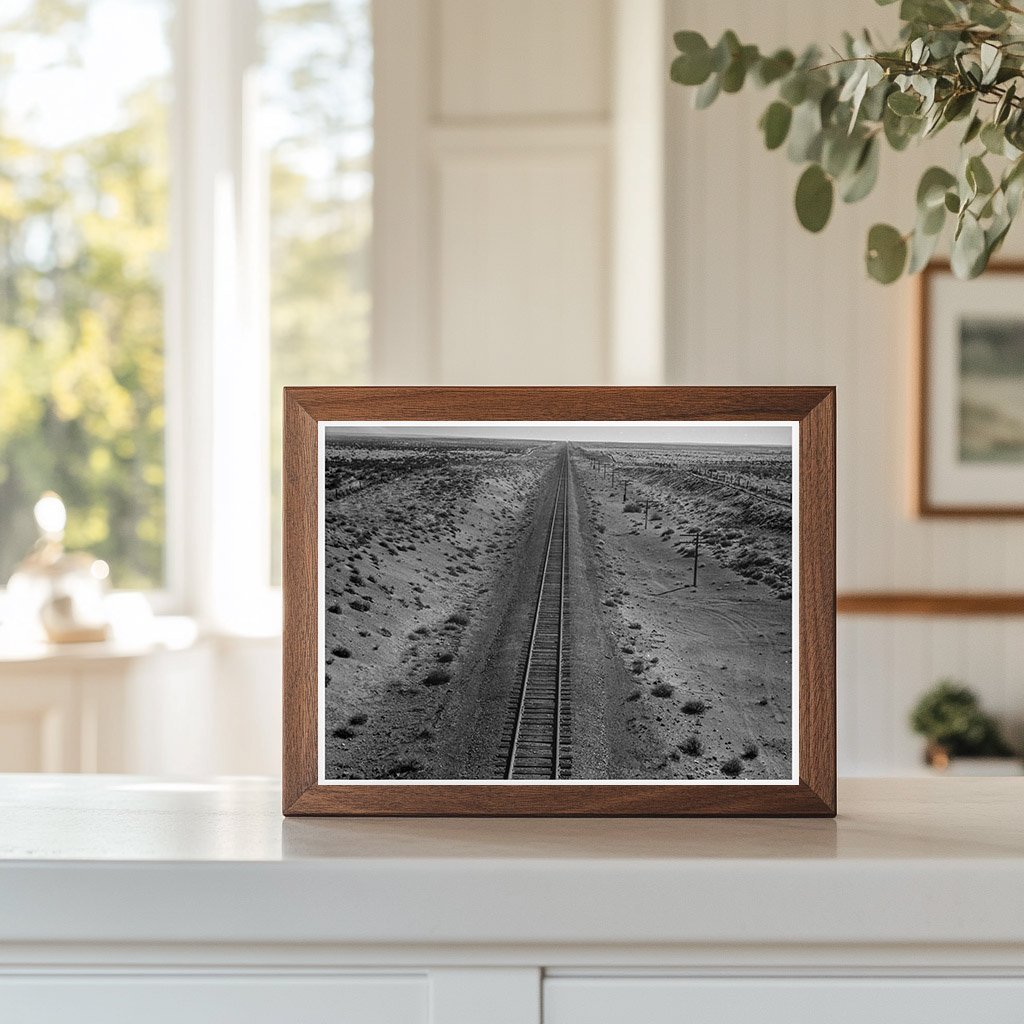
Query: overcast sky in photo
x,y
663,432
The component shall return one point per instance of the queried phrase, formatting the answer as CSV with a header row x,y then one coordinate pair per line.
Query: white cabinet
x,y
127,899
202,999
831,1000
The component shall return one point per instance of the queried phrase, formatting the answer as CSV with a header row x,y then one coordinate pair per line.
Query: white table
x,y
125,898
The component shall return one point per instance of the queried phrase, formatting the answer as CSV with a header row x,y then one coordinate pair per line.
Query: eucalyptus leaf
x,y
904,103
968,248
991,60
805,133
993,138
771,69
987,15
922,247
886,253
724,51
735,74
688,69
978,176
814,196
1005,104
794,88
973,130
931,190
707,93
840,152
932,221
865,173
775,124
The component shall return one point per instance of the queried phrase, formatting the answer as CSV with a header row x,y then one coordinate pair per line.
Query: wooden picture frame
x,y
935,475
810,411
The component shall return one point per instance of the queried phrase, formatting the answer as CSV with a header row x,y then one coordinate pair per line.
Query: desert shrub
x,y
457,620
334,608
359,606
732,767
692,745
341,652
437,677
638,666
343,732
635,695
663,690
750,750
632,506
694,706
357,719
445,657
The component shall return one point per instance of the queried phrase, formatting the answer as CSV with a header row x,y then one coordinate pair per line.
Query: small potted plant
x,y
950,718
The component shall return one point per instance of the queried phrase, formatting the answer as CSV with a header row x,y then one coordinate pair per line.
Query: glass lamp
x,y
56,595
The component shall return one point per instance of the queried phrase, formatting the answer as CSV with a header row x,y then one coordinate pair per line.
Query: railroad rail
x,y
536,733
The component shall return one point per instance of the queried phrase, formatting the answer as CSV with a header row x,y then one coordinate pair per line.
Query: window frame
x,y
217,438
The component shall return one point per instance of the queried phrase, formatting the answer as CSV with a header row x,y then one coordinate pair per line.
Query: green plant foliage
x,y
814,195
949,715
956,60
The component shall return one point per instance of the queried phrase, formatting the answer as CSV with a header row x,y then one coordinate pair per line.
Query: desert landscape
x,y
556,607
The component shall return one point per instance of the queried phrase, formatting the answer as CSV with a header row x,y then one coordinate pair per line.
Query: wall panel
x,y
521,283
530,58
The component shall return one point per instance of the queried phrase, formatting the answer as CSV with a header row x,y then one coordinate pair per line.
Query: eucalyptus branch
x,y
955,61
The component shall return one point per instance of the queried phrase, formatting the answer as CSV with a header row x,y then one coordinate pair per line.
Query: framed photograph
x,y
970,445
559,601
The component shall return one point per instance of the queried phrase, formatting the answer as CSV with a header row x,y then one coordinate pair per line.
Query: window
x,y
83,236
317,117
175,246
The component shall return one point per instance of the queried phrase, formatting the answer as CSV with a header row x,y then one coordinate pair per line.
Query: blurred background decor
x,y
961,736
971,393
54,593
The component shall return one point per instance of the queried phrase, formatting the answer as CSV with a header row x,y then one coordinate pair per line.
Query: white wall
x,y
754,299
505,132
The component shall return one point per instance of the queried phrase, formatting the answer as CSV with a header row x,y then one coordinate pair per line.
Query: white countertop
x,y
123,859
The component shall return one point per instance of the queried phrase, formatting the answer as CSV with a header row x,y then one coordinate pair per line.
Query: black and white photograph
x,y
558,601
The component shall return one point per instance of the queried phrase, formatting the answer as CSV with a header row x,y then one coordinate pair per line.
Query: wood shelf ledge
x,y
928,603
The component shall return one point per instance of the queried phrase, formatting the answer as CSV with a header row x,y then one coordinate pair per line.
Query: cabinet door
x,y
651,1000
203,999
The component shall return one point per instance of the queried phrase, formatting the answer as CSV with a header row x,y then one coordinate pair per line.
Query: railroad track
x,y
537,732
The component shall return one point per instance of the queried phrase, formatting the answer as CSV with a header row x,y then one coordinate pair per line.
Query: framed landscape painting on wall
x,y
970,450
581,601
